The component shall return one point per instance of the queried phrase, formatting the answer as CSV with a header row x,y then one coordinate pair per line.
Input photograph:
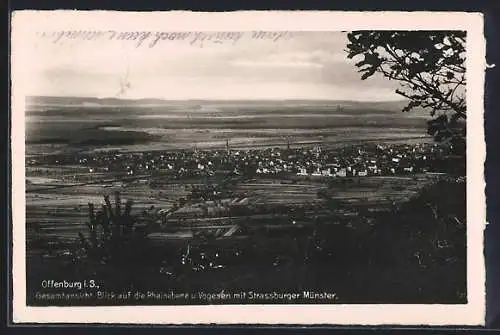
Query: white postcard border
x,y
473,313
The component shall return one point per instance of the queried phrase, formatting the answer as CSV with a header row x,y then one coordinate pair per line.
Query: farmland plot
x,y
270,191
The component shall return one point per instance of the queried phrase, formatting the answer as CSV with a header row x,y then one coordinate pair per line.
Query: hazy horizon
x,y
208,99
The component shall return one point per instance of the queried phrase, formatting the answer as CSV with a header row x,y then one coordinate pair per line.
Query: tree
x,y
430,67
110,231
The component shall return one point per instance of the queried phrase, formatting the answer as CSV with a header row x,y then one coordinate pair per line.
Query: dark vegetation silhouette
x,y
430,66
113,233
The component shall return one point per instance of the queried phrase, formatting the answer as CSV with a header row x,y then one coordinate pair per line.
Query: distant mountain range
x,y
116,102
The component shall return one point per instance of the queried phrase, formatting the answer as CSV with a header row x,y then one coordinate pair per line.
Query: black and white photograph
x,y
223,167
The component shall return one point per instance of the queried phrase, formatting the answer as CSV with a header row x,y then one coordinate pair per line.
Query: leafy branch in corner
x,y
430,67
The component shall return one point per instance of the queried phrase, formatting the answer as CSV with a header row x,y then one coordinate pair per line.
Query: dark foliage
x,y
430,67
113,232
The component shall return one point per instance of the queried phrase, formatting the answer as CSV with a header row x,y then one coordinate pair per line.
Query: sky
x,y
305,65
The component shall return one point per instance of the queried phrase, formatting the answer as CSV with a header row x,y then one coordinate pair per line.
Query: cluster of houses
x,y
362,160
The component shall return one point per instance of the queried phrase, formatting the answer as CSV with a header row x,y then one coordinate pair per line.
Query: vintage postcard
x,y
248,168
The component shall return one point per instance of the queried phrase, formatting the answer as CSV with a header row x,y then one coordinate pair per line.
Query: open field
x,y
358,189
209,124
61,212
